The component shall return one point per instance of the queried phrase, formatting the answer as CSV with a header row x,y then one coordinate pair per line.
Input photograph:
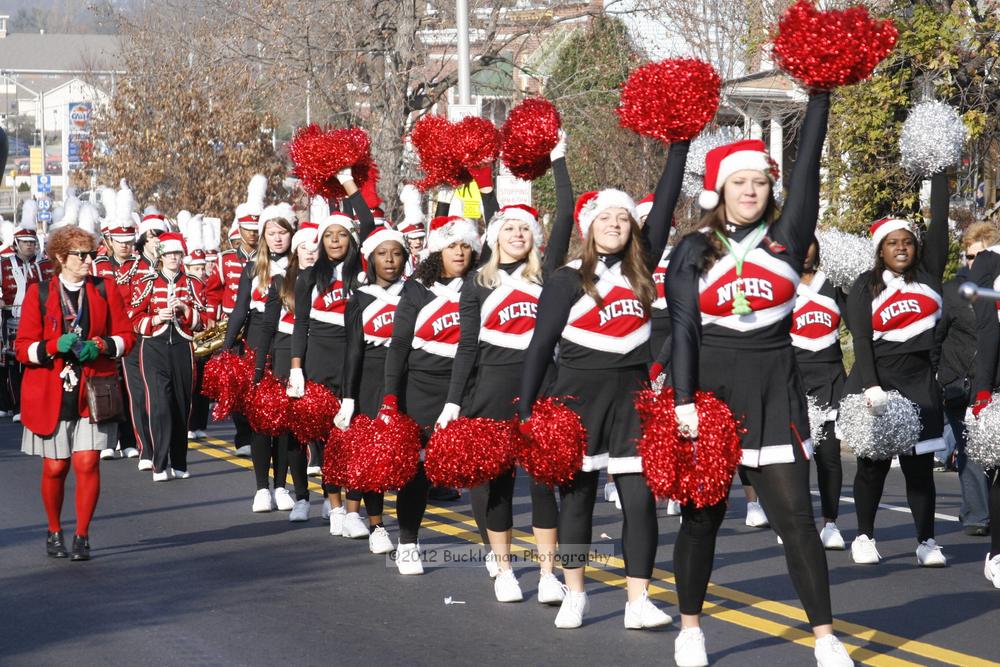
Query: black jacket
x,y
954,352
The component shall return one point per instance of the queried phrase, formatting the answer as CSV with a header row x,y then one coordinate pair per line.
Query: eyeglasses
x,y
83,254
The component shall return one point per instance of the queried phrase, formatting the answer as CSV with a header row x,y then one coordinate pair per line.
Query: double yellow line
x,y
856,638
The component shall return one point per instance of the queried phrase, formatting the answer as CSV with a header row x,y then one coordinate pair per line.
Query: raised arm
x,y
554,305
685,315
668,191
935,251
562,226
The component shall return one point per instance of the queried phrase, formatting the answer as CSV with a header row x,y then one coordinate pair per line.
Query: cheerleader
x,y
892,312
319,337
369,320
731,293
418,364
276,339
986,273
496,313
816,338
167,307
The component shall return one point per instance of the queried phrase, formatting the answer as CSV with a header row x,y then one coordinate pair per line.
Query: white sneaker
x,y
337,515
262,501
673,508
756,518
162,476
170,473
780,541
689,648
325,513
550,591
831,537
107,454
354,528
929,554
16,417
131,453
191,435
243,451
300,511
610,492
283,499
830,652
992,570
180,474
863,551
314,471
379,541
145,464
506,588
200,435
572,610
645,614
491,565
408,558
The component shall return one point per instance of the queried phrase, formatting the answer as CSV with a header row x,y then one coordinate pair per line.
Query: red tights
x,y
86,465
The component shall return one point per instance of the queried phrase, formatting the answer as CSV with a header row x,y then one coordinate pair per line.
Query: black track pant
x,y
167,367
199,402
126,435
285,453
137,402
921,496
829,472
783,489
374,501
411,502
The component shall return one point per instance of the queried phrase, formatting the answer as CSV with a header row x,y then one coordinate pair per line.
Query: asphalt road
x,y
184,574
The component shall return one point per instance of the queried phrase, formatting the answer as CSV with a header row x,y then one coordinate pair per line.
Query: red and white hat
x,y
281,210
172,242
249,211
591,204
644,206
152,220
520,212
882,228
412,229
27,226
306,233
380,235
445,230
413,213
338,218
724,161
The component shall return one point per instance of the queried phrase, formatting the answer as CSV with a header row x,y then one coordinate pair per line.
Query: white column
x,y
777,140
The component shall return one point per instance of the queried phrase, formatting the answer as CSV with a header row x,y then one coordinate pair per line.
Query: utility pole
x,y
462,21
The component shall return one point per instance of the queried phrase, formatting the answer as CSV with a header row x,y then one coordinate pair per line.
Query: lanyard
x,y
71,314
741,305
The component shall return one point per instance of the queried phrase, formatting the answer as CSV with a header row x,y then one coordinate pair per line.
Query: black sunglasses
x,y
969,258
83,254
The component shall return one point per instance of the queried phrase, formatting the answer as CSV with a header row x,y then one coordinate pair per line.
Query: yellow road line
x,y
793,634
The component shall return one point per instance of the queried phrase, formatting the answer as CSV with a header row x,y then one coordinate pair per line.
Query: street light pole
x,y
462,21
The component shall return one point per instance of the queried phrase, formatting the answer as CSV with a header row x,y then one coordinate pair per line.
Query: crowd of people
x,y
446,318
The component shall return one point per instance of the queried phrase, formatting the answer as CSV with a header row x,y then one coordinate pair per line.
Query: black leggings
x,y
829,472
493,501
921,496
994,512
411,502
783,489
374,501
286,453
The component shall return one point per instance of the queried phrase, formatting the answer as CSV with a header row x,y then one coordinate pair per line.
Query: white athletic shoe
x,y
145,464
408,559
16,417
611,492
550,591
191,435
200,435
830,652
780,541
163,476
179,474
929,554
107,454
689,648
262,501
379,541
673,508
314,471
831,537
756,518
571,612
244,451
864,552
131,453
337,515
325,513
506,588
300,511
283,499
992,570
491,565
644,614
354,528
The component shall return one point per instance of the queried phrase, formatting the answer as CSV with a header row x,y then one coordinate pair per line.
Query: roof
x,y
35,51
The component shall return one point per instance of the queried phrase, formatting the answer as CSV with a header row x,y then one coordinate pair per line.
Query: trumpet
x,y
211,339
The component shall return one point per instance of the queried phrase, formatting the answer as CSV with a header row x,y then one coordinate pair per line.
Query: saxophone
x,y
210,340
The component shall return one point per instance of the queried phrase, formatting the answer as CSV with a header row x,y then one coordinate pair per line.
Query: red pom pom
x,y
671,100
311,416
380,456
319,155
557,444
826,49
468,452
227,381
447,150
529,135
335,459
699,471
266,406
477,142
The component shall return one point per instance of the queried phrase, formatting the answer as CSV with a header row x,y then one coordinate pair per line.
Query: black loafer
x,y
55,547
81,548
977,531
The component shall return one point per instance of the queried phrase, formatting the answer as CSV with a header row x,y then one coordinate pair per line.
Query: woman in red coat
x,y
75,330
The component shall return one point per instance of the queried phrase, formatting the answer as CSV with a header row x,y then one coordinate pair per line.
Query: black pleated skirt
x,y
372,386
324,362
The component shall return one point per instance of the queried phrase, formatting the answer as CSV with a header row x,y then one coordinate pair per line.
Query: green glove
x,y
89,351
65,342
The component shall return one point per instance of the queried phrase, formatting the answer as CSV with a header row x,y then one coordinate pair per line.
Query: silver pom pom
x,y
879,438
982,443
932,138
700,146
817,418
843,257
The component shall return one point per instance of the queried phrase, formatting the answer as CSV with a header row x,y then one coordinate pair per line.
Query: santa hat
x,y
193,233
520,212
592,204
249,211
445,230
306,233
644,206
413,213
380,235
882,228
274,212
338,218
724,161
27,228
172,242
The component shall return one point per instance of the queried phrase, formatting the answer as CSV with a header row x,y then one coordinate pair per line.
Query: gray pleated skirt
x,y
70,436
